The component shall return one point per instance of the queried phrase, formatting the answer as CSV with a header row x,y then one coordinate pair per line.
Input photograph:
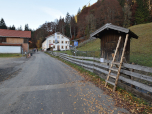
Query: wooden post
x,y
132,70
93,60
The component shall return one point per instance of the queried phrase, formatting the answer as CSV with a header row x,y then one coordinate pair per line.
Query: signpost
x,y
56,40
75,44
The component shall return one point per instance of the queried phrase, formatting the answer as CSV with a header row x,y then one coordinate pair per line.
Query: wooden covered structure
x,y
109,35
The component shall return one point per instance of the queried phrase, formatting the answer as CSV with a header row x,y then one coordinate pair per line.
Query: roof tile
x,y
15,33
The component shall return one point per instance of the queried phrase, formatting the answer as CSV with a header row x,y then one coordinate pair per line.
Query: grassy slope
x,y
91,46
141,48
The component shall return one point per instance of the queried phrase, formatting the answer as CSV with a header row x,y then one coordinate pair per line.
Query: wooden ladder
x,y
116,63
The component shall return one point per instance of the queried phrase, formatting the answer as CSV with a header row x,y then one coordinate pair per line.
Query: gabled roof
x,y
58,33
114,27
15,33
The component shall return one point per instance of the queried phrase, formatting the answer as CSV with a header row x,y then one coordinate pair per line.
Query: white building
x,y
63,42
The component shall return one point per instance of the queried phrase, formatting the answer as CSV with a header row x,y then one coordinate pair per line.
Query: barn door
x,y
109,49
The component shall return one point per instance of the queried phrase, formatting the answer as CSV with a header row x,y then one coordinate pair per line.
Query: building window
x,y
58,36
25,40
49,41
62,37
58,41
53,46
62,42
53,41
62,47
66,47
2,40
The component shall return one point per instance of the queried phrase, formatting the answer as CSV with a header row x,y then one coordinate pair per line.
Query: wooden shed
x,y
109,35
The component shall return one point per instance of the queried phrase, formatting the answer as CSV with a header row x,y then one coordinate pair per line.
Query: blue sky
x,y
36,12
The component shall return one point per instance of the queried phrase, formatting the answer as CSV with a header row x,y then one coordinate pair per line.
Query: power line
x,y
88,2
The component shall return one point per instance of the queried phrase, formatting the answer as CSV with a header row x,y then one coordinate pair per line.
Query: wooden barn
x,y
109,35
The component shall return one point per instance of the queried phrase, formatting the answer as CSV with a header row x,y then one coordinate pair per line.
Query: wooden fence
x,y
133,78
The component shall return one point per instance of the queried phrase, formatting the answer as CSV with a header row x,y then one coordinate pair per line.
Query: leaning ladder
x,y
116,63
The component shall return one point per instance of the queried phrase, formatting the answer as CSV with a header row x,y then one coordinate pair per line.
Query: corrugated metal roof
x,y
15,33
113,27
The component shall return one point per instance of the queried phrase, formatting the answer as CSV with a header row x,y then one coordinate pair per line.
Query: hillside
x,y
141,48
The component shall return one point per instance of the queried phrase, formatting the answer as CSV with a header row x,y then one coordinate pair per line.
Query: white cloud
x,y
54,13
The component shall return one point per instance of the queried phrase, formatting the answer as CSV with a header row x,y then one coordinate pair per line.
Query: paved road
x,y
48,86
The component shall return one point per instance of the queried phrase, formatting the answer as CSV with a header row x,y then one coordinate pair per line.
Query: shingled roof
x,y
15,33
113,27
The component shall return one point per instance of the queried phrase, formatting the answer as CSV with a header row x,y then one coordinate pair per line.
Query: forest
x,y
89,18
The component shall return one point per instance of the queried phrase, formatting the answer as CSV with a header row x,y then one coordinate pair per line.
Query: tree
x,y
79,11
2,24
12,28
20,28
142,14
122,2
26,28
84,7
127,16
67,27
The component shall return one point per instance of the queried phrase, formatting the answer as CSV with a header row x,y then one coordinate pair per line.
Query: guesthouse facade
x,y
63,42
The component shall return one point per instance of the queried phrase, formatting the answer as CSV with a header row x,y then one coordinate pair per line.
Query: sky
x,y
37,12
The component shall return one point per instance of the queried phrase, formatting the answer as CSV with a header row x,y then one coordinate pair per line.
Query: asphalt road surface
x,y
45,85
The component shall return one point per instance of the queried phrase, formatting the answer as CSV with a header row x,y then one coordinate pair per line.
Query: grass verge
x,y
10,55
122,97
67,52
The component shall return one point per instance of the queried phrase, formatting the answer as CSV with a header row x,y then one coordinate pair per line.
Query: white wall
x,y
61,38
10,49
44,45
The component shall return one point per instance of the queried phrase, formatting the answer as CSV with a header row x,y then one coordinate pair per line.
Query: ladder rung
x,y
110,82
113,69
112,76
116,63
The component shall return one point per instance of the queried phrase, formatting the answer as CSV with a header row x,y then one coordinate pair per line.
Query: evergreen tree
x,y
67,22
20,28
13,27
142,13
122,2
2,24
26,28
79,11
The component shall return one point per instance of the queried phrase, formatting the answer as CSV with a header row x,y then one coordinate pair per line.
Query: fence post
x,y
132,70
82,58
93,61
